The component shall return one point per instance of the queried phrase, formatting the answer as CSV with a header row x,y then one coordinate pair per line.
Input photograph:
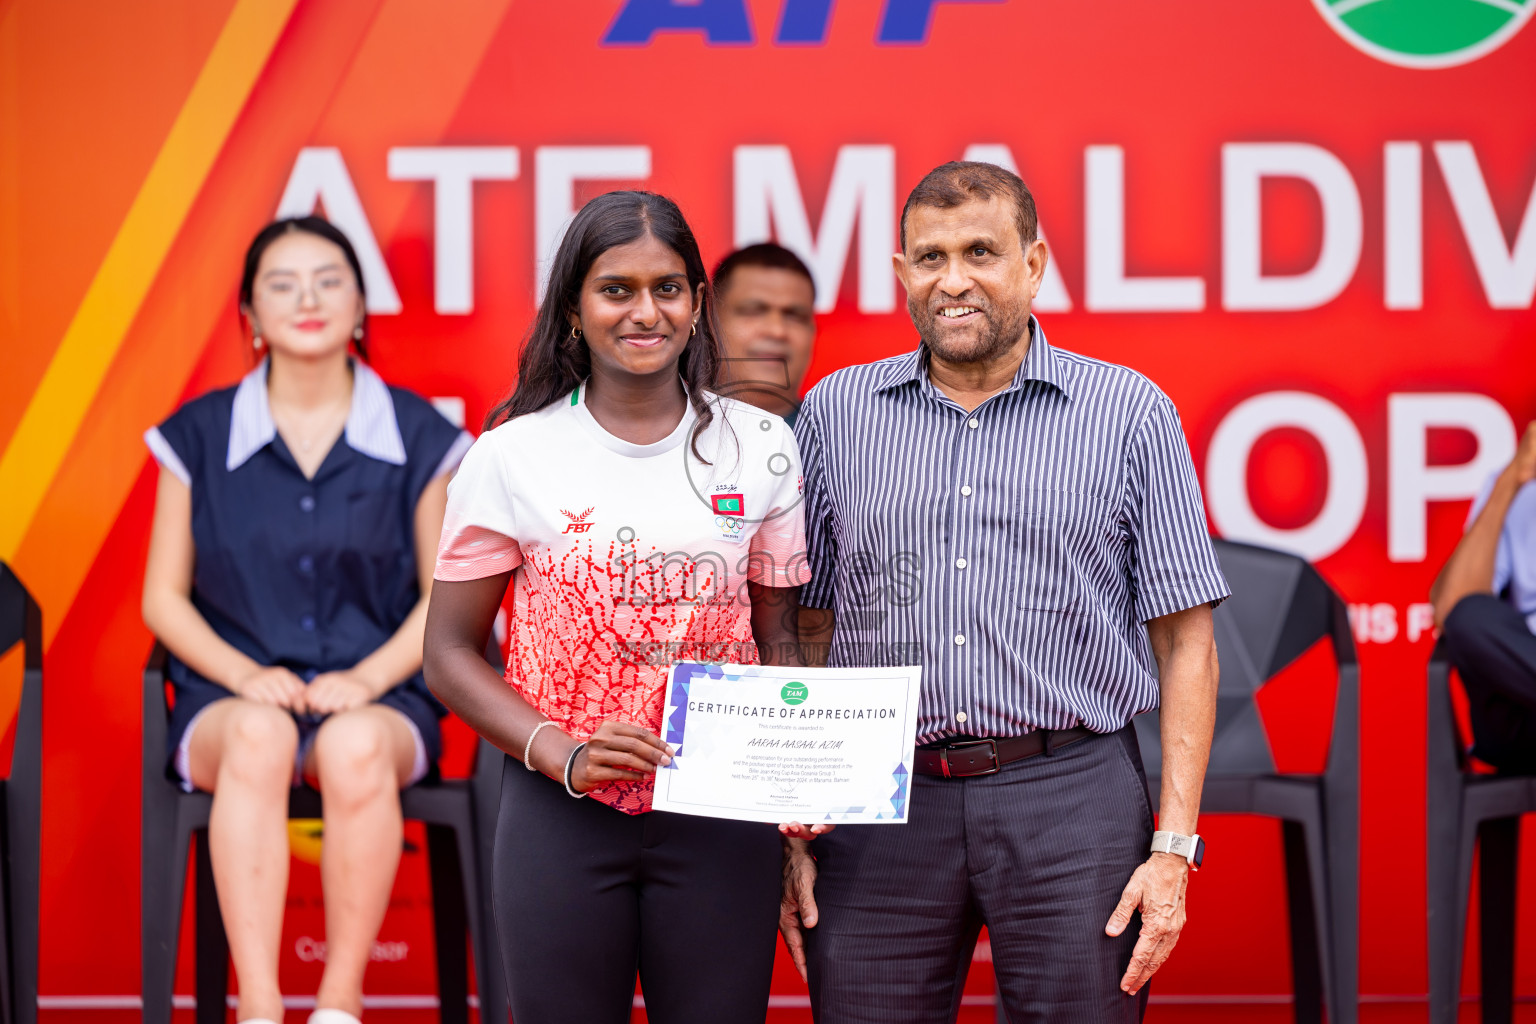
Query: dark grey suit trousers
x,y
1038,852
1491,646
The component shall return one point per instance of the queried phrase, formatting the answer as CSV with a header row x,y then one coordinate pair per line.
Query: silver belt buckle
x,y
967,745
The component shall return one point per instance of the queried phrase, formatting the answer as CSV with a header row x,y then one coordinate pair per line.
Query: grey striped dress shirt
x,y
1014,552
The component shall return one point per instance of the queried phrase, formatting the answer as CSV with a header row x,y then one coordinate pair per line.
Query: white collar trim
x,y
372,428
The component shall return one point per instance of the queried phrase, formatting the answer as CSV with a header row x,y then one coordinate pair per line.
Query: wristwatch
x,y
1191,848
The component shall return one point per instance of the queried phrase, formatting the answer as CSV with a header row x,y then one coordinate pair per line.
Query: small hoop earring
x,y
575,333
357,333
693,329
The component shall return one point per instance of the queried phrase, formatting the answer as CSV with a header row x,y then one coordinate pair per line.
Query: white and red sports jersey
x,y
627,558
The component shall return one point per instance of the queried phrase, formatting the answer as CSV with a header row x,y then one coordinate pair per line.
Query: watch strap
x,y
1188,847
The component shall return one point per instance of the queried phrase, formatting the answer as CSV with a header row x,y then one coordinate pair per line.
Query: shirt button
x,y
306,564
966,490
974,423
961,716
960,563
959,639
307,503
307,623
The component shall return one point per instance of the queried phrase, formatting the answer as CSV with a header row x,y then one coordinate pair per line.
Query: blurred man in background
x,y
1485,604
766,300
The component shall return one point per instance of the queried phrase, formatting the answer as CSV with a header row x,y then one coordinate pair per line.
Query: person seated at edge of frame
x,y
1485,606
766,299
294,538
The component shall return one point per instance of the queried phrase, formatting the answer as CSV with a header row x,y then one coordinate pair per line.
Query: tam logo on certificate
x,y
765,743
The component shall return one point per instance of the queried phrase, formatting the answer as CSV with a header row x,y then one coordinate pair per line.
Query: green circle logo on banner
x,y
1426,33
794,693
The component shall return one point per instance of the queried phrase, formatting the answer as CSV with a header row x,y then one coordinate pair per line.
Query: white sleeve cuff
x,y
455,454
164,454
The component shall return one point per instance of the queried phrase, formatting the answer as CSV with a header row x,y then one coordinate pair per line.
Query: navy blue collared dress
x,y
312,574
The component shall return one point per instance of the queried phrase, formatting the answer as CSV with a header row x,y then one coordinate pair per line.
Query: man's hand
x,y
1157,890
1523,465
797,909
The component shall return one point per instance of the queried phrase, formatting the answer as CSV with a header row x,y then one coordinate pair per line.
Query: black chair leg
x,y
1306,947
1452,844
212,944
1498,862
487,963
23,869
449,922
163,875
10,968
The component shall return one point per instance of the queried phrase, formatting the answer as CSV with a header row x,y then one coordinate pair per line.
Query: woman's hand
x,y
272,685
618,750
333,692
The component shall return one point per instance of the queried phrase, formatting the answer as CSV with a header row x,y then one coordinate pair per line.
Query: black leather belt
x,y
984,757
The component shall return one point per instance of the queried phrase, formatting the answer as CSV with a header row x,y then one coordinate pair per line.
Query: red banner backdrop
x,y
1311,223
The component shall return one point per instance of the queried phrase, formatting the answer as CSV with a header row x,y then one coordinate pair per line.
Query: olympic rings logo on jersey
x,y
731,527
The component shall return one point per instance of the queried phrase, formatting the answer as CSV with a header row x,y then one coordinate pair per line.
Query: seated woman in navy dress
x,y
295,531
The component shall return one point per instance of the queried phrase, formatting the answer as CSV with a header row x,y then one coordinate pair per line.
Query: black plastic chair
x,y
21,621
1280,607
1469,811
460,815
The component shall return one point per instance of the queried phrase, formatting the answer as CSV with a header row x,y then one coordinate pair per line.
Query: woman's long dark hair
x,y
320,228
553,363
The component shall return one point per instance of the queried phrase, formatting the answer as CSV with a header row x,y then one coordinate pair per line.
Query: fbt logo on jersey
x,y
801,22
578,523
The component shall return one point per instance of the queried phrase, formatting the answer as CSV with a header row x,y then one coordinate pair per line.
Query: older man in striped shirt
x,y
1026,524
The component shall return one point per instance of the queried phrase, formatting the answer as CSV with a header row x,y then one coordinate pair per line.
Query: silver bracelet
x,y
528,747
570,763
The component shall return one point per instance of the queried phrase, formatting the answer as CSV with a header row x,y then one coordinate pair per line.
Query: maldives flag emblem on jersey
x,y
727,504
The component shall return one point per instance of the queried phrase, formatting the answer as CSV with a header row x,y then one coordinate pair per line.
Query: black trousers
x,y
586,896
1493,650
1039,852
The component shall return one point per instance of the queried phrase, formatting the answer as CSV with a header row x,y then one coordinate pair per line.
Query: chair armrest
x,y
1344,746
154,713
1447,753
23,804
1341,632
21,622
32,636
27,753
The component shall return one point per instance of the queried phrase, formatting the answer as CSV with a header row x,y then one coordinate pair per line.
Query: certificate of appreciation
x,y
764,743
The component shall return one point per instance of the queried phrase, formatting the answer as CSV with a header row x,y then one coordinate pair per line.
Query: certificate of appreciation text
x,y
764,743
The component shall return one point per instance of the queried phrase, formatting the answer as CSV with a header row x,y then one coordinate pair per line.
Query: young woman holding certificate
x,y
640,520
